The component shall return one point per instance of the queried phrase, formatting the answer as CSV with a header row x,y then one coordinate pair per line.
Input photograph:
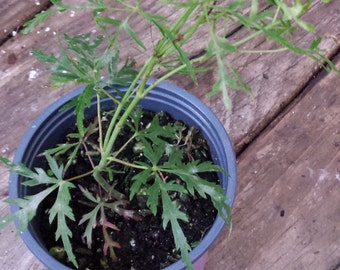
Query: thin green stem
x,y
172,72
247,38
100,128
109,137
264,51
79,176
124,145
276,15
128,164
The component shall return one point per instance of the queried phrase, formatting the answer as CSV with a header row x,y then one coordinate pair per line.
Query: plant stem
x,y
131,102
264,51
128,164
99,125
79,176
125,144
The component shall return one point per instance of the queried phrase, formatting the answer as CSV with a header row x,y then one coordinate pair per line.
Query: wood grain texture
x,y
15,13
274,79
286,214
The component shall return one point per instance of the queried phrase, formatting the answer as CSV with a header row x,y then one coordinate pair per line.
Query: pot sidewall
x,y
45,133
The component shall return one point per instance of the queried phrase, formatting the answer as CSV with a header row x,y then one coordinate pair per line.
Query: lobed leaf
x,y
173,215
139,180
83,101
91,219
61,211
28,208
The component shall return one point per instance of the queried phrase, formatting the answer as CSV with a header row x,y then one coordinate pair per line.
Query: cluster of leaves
x,y
277,21
86,59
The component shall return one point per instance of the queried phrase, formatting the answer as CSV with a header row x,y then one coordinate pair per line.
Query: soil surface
x,y
144,244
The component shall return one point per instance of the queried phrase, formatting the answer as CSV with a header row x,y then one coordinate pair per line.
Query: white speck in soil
x,y
47,29
37,3
72,13
132,242
14,33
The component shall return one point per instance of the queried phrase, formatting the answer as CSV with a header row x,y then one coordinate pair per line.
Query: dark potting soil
x,y
144,244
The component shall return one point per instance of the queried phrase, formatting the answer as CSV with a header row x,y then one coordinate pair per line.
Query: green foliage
x,y
29,205
165,173
162,179
39,18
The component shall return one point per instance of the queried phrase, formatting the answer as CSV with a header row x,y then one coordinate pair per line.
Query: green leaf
x,y
172,214
156,132
227,76
315,43
108,20
61,211
170,210
38,18
89,195
183,56
132,34
61,148
151,16
139,180
254,8
61,7
295,11
222,82
194,183
219,46
57,171
83,101
120,76
28,208
153,152
42,57
34,178
153,197
91,219
29,205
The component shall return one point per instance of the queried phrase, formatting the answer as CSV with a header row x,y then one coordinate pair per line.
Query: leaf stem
x,y
79,176
264,51
128,164
99,124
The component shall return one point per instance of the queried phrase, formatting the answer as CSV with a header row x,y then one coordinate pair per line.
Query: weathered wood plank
x,y
15,13
286,215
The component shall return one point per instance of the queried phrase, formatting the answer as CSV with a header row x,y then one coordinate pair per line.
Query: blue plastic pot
x,y
51,127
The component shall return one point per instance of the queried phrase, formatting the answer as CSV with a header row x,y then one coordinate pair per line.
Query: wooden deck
x,y
286,136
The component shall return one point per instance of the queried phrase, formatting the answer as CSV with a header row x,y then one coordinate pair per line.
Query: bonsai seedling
x,y
134,155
